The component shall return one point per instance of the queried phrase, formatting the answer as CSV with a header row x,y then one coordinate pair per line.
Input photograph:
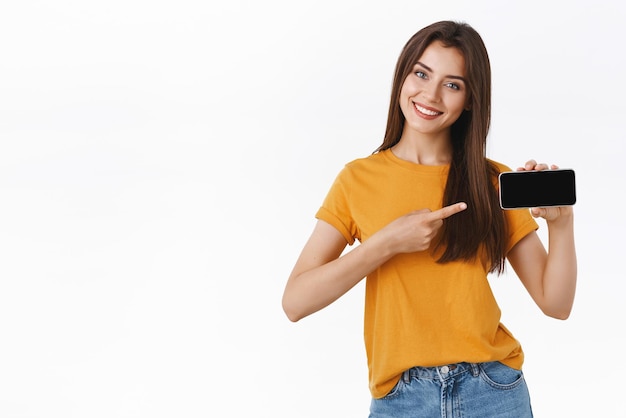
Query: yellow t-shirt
x,y
418,312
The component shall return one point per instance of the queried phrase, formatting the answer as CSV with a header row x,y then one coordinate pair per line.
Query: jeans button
x,y
445,369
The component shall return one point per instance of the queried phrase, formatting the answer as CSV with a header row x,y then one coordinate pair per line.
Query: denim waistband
x,y
440,373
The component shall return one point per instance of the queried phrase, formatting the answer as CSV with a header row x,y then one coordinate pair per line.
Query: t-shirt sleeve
x,y
335,209
520,223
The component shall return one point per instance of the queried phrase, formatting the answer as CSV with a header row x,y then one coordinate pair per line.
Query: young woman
x,y
425,209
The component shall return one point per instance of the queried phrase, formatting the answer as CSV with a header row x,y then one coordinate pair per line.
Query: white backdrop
x,y
161,163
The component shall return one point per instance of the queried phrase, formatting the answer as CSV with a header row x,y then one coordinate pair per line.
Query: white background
x,y
161,163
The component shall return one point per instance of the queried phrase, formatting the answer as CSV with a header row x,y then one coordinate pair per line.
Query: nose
x,y
432,93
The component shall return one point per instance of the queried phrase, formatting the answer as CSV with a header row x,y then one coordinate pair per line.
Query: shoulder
x,y
500,167
367,161
367,164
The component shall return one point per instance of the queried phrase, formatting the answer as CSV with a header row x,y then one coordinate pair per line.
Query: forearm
x,y
321,275
315,288
560,272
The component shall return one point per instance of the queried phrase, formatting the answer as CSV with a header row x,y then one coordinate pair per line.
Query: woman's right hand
x,y
415,231
322,274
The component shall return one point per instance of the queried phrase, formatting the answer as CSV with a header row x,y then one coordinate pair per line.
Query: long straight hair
x,y
480,230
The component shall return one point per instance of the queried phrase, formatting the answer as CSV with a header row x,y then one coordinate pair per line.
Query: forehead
x,y
443,59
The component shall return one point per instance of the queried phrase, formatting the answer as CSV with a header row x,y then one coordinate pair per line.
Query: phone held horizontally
x,y
531,189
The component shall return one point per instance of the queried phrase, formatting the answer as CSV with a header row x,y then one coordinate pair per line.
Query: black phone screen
x,y
529,189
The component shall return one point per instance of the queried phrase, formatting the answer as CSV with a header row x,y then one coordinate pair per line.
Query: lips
x,y
427,111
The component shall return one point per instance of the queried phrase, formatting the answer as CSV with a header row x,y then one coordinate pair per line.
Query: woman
x,y
425,209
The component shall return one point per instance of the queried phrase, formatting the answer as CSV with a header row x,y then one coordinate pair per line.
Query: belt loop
x,y
406,376
475,369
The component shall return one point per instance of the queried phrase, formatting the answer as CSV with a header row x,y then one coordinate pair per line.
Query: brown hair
x,y
482,226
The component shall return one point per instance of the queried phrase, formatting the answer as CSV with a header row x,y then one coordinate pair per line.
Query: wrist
x,y
379,248
565,218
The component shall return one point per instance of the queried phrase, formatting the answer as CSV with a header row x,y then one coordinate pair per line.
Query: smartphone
x,y
531,189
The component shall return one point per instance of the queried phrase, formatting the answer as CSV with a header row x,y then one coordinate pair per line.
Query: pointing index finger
x,y
448,211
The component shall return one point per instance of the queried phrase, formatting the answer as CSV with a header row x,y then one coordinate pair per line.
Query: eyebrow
x,y
427,68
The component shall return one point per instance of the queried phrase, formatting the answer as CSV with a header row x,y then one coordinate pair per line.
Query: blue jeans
x,y
463,390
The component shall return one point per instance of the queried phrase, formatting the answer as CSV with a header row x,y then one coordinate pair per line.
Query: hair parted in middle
x,y
481,229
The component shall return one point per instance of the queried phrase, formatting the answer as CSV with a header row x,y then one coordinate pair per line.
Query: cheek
x,y
409,87
404,108
459,103
403,94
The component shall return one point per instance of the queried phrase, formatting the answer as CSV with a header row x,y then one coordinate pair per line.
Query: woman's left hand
x,y
548,213
549,278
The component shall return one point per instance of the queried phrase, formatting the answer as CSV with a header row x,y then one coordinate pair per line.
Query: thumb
x,y
538,212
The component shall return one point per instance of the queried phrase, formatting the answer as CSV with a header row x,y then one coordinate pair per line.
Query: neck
x,y
424,149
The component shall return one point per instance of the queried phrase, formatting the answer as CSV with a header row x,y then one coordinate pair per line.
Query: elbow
x,y
558,309
292,314
292,317
561,314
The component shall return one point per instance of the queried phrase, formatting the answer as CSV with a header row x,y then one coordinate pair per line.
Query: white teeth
x,y
426,111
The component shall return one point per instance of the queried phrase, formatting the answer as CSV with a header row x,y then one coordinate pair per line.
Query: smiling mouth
x,y
427,112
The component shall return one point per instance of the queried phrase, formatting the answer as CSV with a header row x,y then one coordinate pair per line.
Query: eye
x,y
421,74
453,86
